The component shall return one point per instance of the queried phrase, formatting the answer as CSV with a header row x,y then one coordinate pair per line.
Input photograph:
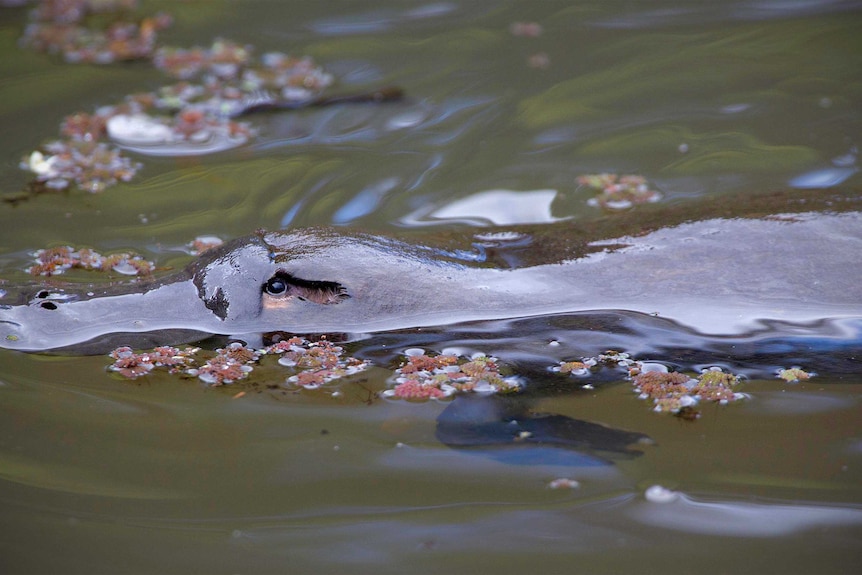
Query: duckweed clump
x,y
618,192
794,374
313,363
191,117
670,391
422,376
56,260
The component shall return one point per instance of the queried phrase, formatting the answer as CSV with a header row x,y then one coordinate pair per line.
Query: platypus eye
x,y
284,287
275,286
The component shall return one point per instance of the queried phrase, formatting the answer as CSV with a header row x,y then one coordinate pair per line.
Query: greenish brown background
x,y
161,475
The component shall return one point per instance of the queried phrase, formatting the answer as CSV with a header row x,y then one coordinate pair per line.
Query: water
x,y
714,105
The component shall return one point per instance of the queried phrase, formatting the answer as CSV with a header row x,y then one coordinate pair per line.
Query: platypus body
x,y
716,276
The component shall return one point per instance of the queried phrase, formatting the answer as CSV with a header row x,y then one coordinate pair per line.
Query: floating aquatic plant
x,y
224,59
618,192
55,261
618,359
678,393
313,363
221,370
423,376
230,73
131,365
670,391
91,166
713,384
202,244
563,483
794,374
238,352
572,367
74,30
193,117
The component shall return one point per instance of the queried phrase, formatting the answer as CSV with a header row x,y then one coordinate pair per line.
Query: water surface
x,y
711,103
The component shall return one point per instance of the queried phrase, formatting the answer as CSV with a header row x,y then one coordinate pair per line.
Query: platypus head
x,y
248,285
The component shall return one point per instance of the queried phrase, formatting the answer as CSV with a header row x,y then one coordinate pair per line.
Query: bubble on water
x,y
659,494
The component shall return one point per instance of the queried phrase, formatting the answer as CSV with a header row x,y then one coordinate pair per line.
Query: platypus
x,y
715,276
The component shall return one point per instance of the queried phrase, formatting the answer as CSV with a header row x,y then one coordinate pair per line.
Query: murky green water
x,y
710,102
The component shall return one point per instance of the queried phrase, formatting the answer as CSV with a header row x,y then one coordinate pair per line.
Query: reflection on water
x,y
494,207
719,104
742,519
825,178
376,21
365,202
